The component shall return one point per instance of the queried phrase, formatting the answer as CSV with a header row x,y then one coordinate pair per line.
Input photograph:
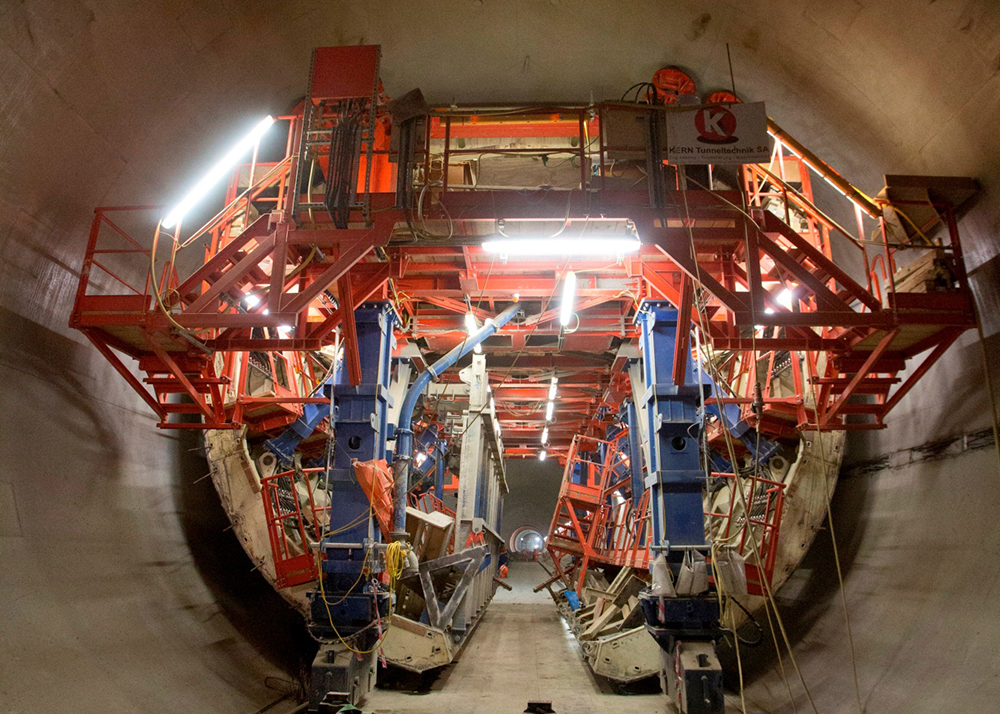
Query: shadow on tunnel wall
x,y
813,588
33,349
261,616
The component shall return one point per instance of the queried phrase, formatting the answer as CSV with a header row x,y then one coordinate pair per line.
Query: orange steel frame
x,y
591,529
294,561
587,525
723,257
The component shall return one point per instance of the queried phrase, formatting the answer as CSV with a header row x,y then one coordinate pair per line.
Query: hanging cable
x,y
702,326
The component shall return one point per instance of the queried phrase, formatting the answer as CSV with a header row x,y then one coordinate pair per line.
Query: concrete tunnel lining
x,y
113,584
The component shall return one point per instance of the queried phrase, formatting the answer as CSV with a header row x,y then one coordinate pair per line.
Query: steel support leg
x,y
685,626
346,607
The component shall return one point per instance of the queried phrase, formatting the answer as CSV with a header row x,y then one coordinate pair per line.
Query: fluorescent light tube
x,y
568,294
217,172
562,246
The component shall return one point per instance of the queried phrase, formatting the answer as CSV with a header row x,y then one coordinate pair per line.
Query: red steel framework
x,y
593,523
293,523
599,522
724,257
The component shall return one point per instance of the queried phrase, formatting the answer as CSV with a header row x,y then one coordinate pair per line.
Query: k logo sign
x,y
716,125
716,134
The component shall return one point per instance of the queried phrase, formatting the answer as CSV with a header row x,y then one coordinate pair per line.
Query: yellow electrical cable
x,y
191,332
334,627
361,574
930,244
395,557
156,288
732,627
395,561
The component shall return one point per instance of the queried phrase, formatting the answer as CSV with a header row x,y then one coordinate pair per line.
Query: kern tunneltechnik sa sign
x,y
718,134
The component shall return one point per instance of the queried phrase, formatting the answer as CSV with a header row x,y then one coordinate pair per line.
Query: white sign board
x,y
718,134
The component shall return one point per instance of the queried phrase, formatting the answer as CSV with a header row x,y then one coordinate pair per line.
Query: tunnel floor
x,y
522,652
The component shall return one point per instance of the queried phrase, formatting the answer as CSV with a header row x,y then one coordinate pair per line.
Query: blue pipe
x,y
284,445
404,432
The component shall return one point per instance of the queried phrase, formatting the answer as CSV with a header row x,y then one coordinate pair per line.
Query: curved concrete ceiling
x,y
120,589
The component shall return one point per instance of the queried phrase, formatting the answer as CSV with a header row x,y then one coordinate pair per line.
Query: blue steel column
x,y
686,623
439,469
361,415
346,603
675,476
361,419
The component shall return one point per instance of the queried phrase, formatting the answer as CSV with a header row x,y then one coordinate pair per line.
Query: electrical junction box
x,y
344,73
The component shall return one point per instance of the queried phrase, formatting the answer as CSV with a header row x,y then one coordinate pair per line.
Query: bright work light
x,y
569,292
562,246
216,173
471,327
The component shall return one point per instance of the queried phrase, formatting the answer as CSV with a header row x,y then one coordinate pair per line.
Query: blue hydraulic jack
x,y
686,626
349,602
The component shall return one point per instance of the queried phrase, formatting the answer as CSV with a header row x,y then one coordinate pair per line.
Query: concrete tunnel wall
x,y
120,588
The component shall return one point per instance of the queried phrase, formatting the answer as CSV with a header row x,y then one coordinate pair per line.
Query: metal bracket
x,y
471,560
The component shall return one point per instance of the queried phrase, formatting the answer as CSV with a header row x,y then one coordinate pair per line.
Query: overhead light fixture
x,y
542,455
552,388
618,245
217,172
251,300
568,294
545,435
549,411
471,326
284,331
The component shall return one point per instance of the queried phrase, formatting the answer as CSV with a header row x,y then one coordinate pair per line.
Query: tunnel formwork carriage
x,y
407,295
